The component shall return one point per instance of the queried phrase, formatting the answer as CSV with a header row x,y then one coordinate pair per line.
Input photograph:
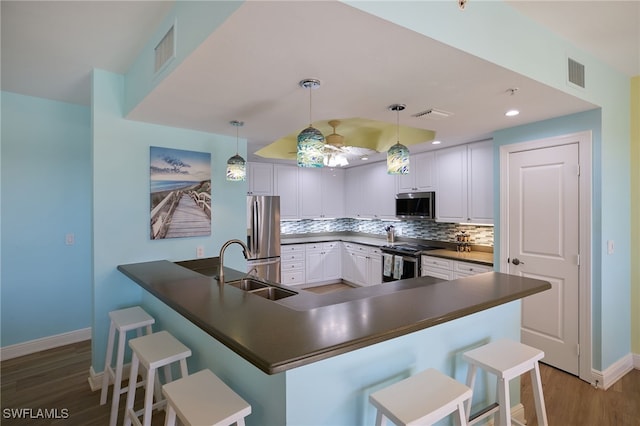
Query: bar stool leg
x,y
538,398
461,418
107,364
471,381
132,391
170,417
117,382
504,399
148,397
381,420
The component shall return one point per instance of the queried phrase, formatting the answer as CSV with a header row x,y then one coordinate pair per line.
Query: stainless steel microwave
x,y
416,205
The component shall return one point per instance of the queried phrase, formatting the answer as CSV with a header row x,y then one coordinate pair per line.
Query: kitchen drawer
x,y
293,277
288,266
292,248
356,247
292,256
470,268
436,262
443,274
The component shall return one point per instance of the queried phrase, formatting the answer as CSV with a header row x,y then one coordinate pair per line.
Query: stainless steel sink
x,y
273,293
261,288
248,284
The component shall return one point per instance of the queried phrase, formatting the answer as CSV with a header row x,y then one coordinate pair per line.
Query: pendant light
x,y
236,166
310,148
398,154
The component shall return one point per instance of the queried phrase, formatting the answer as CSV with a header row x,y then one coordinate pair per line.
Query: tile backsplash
x,y
423,229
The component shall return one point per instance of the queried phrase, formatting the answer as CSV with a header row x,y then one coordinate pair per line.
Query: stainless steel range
x,y
402,261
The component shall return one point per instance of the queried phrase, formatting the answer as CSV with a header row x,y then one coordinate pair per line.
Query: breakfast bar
x,y
312,359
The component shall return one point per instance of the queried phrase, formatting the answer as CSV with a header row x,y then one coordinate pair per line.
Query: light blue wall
x,y
494,31
121,201
46,194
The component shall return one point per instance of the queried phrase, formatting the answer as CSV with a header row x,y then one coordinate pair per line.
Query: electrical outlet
x,y
610,247
200,252
69,239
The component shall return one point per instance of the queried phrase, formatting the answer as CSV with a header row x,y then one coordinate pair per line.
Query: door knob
x,y
516,261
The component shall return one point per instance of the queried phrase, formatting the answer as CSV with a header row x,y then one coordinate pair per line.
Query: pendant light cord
x,y
310,120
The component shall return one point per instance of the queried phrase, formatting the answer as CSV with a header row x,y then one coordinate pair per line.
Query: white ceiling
x,y
49,49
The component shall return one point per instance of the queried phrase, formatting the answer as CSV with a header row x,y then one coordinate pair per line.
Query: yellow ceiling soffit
x,y
359,132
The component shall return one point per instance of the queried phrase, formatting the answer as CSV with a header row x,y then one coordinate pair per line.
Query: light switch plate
x,y
200,252
610,247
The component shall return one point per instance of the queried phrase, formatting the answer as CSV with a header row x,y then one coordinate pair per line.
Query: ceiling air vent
x,y
165,50
434,114
576,73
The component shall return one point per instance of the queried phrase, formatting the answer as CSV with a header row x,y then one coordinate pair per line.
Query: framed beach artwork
x,y
180,193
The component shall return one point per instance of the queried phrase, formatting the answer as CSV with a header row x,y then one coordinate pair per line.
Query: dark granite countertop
x,y
280,335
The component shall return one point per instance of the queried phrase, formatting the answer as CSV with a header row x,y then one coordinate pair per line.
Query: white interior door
x,y
543,243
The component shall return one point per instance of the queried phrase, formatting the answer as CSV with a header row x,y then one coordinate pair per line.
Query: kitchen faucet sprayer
x,y
245,252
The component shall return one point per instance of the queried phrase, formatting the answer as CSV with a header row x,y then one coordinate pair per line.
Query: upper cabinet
x,y
464,177
260,178
421,174
370,192
321,193
285,184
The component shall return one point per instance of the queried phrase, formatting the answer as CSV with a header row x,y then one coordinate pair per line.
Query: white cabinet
x,y
464,177
292,264
448,269
362,265
370,192
436,267
480,199
321,193
323,262
260,178
285,182
421,174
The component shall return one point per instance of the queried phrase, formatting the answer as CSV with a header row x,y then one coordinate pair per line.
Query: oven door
x,y
408,267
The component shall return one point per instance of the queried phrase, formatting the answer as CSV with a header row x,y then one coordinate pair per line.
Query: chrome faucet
x,y
245,252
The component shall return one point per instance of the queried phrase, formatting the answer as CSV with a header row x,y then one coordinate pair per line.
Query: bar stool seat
x,y
153,351
421,399
507,360
202,399
122,321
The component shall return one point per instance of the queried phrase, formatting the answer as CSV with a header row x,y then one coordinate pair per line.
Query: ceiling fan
x,y
336,152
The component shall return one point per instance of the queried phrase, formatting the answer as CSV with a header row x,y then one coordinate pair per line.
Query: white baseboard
x,y
604,379
636,361
49,342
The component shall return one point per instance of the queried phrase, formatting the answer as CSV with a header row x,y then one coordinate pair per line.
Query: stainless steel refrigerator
x,y
263,236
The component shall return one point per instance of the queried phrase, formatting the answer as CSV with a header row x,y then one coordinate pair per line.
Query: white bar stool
x,y
202,399
122,321
421,399
507,360
153,351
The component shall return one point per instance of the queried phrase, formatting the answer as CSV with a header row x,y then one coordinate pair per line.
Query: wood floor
x,y
57,379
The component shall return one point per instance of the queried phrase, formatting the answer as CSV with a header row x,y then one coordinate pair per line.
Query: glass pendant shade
x,y
236,166
398,160
398,154
236,169
310,152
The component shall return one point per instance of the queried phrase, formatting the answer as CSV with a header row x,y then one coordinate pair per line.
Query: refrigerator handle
x,y
255,228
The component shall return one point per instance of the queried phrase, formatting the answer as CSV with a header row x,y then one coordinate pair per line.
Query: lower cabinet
x,y
362,264
292,264
448,269
323,262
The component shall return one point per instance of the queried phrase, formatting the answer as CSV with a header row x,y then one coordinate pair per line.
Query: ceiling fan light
x,y
310,149
398,160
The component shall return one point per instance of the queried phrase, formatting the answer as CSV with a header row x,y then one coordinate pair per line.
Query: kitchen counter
x,y
277,336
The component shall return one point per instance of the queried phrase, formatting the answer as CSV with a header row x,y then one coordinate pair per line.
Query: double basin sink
x,y
261,288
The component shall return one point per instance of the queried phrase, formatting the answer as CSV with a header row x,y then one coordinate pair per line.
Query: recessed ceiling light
x,y
436,143
512,113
